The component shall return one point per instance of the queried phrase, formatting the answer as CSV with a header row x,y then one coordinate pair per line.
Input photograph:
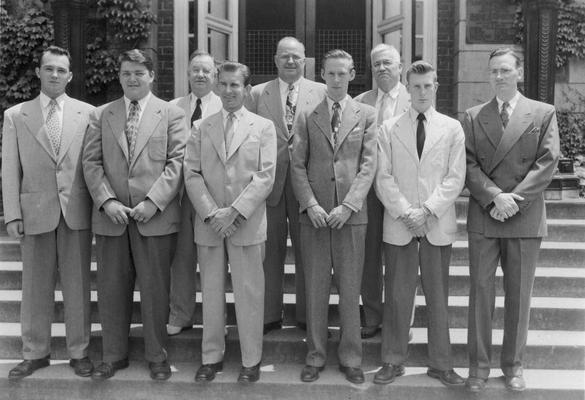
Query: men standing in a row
x,y
200,103
334,162
390,98
47,207
229,172
132,164
282,100
512,151
421,172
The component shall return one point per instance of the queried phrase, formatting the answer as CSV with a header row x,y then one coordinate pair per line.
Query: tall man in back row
x,y
282,100
512,152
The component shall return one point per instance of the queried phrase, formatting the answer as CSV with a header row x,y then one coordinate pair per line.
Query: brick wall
x,y
165,73
445,56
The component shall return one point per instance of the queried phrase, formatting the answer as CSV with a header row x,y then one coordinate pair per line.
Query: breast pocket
x,y
157,148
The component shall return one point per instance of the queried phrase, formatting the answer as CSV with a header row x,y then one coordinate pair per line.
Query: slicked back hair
x,y
337,53
136,56
232,66
58,51
421,67
502,51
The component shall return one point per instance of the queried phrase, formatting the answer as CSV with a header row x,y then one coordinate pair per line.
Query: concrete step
x,y
555,209
559,230
276,382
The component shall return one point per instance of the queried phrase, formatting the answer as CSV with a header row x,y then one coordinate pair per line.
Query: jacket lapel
x,y
370,98
150,119
433,136
71,119
349,119
405,135
33,119
117,120
403,100
271,98
491,123
215,133
244,128
323,121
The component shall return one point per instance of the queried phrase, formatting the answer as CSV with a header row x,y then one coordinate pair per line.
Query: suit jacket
x,y
403,99
265,101
330,175
242,179
522,162
435,181
38,187
184,102
155,171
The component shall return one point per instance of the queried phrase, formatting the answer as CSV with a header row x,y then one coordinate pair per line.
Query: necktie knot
x,y
291,87
198,102
504,113
421,117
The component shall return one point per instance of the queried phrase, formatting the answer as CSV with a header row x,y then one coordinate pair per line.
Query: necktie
x,y
229,131
197,112
504,114
291,107
382,110
335,121
53,127
420,134
131,128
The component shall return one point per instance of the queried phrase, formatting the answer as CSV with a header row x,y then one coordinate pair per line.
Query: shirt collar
x,y
142,102
238,114
413,114
45,100
342,103
393,93
284,86
512,102
204,99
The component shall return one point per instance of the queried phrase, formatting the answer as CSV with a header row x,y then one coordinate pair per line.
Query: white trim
x,y
181,46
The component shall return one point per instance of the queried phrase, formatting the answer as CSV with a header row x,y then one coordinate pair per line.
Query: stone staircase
x,y
555,360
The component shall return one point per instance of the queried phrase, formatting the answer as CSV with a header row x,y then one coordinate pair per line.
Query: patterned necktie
x,y
383,106
54,127
229,131
420,134
291,107
336,121
197,112
131,128
504,114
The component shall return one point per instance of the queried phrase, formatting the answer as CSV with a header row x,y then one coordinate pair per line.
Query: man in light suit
x,y
132,162
421,171
47,207
512,151
200,103
390,98
334,162
282,100
229,172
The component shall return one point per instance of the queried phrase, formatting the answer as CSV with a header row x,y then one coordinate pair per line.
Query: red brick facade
x,y
445,56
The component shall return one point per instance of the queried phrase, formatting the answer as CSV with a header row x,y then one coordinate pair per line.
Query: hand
x,y
15,229
495,214
338,216
506,204
416,219
318,216
117,211
420,232
222,219
234,227
143,211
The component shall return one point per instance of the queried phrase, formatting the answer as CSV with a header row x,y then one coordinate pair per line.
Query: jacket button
x,y
333,179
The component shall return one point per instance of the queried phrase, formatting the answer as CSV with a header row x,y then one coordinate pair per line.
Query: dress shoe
x,y
249,374
475,384
388,373
515,383
27,367
353,374
272,326
206,372
173,330
160,371
108,369
447,378
81,366
310,373
370,331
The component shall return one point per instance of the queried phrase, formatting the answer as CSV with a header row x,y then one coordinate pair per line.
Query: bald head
x,y
290,59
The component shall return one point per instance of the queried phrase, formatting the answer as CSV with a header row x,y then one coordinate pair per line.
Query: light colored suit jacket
x,y
522,162
330,175
184,102
241,179
155,171
403,99
265,101
435,181
38,187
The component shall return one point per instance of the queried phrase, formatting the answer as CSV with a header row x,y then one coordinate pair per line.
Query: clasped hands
x,y
505,206
415,220
120,214
335,219
225,221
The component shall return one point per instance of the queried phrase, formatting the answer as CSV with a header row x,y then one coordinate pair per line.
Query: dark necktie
x,y
197,112
504,114
131,128
291,107
335,121
420,134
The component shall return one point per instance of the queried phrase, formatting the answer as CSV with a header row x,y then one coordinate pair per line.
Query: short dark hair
x,y
337,53
502,51
232,66
136,56
58,51
421,67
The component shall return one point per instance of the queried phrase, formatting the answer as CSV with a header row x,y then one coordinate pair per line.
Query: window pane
x,y
419,25
392,8
394,38
218,45
218,8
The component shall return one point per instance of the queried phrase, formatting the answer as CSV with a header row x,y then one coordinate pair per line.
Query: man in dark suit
x,y
47,207
390,98
132,163
282,100
334,161
512,151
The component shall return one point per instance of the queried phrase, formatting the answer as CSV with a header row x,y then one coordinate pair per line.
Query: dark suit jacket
x,y
522,162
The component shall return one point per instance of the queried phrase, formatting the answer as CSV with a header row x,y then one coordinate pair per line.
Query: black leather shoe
x,y
370,331
160,371
206,372
310,373
249,374
447,378
108,369
81,366
515,383
354,375
27,367
388,373
474,384
272,326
